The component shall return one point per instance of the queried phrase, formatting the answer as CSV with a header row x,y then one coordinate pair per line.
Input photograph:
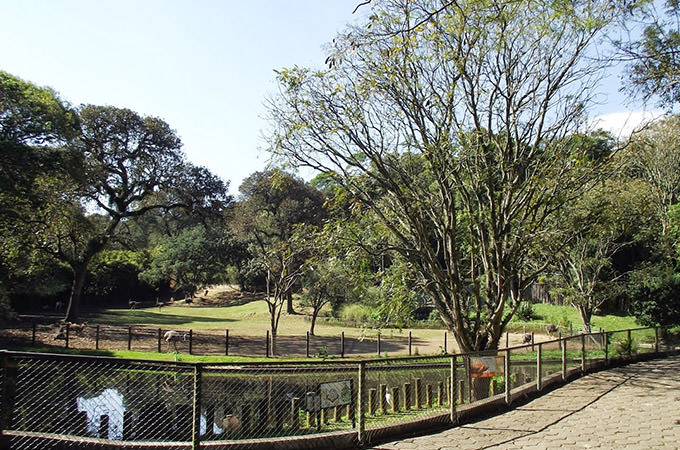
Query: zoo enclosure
x,y
62,401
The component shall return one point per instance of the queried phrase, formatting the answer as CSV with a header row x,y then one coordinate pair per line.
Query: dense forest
x,y
455,165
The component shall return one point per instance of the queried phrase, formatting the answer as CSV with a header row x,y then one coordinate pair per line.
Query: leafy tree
x,y
457,119
654,67
35,127
591,233
273,205
128,160
191,260
655,158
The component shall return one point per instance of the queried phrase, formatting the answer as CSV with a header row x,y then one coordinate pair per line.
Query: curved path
x,y
630,407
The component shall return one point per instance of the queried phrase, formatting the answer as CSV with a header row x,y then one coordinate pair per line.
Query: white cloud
x,y
622,124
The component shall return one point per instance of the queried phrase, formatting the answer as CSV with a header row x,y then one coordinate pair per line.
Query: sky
x,y
206,67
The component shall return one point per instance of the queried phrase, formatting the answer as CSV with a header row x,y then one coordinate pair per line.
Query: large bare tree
x,y
458,114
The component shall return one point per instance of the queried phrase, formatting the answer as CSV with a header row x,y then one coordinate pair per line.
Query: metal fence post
x,y
306,344
361,387
452,390
196,427
226,342
378,343
445,342
508,378
539,367
68,332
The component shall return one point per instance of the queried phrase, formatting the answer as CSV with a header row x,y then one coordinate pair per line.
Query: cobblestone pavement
x,y
631,407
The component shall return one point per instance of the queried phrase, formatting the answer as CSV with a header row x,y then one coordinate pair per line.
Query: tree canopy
x,y
460,119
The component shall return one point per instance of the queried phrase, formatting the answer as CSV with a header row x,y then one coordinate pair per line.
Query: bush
x,y
357,313
526,312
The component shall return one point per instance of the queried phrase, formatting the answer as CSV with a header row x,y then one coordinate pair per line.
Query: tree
x,y
35,128
129,160
655,158
654,66
591,234
458,119
191,260
273,205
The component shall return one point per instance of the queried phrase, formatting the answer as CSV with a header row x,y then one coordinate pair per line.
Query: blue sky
x,y
203,66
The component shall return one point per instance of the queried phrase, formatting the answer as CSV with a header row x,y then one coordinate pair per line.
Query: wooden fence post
x,y
68,332
159,339
306,344
295,413
191,342
266,344
378,343
564,359
583,353
410,341
33,336
129,343
656,339
342,344
96,338
445,343
226,342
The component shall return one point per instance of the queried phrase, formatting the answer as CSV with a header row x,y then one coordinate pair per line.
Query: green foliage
x,y
625,348
654,65
526,311
190,260
358,313
323,352
655,294
114,276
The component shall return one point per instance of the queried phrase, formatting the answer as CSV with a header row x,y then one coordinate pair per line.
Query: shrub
x,y
526,312
357,313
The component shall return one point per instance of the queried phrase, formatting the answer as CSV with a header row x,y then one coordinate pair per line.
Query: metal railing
x,y
65,401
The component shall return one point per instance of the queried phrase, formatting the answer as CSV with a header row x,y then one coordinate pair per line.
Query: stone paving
x,y
630,407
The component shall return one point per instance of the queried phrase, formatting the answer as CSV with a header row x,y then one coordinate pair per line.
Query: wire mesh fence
x,y
66,401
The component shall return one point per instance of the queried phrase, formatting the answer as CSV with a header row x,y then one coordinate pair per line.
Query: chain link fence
x,y
64,401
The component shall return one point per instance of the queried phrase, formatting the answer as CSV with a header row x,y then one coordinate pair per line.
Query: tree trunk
x,y
315,313
73,309
272,343
586,315
289,303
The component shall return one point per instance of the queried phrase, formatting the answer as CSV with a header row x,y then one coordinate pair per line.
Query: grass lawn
x,y
567,316
250,318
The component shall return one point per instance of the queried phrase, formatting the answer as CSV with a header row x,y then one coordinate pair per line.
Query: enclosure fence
x,y
66,401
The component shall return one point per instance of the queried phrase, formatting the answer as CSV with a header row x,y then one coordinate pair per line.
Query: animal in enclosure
x,y
133,304
231,423
526,338
59,305
174,337
77,328
551,328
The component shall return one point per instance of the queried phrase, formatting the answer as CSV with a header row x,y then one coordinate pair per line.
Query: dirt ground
x,y
46,333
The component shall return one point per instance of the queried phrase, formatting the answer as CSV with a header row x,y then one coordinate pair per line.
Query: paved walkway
x,y
631,407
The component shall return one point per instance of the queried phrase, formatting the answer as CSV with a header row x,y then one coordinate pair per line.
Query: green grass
x,y
567,316
247,319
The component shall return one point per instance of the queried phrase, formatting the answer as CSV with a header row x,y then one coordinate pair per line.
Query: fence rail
x,y
65,401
